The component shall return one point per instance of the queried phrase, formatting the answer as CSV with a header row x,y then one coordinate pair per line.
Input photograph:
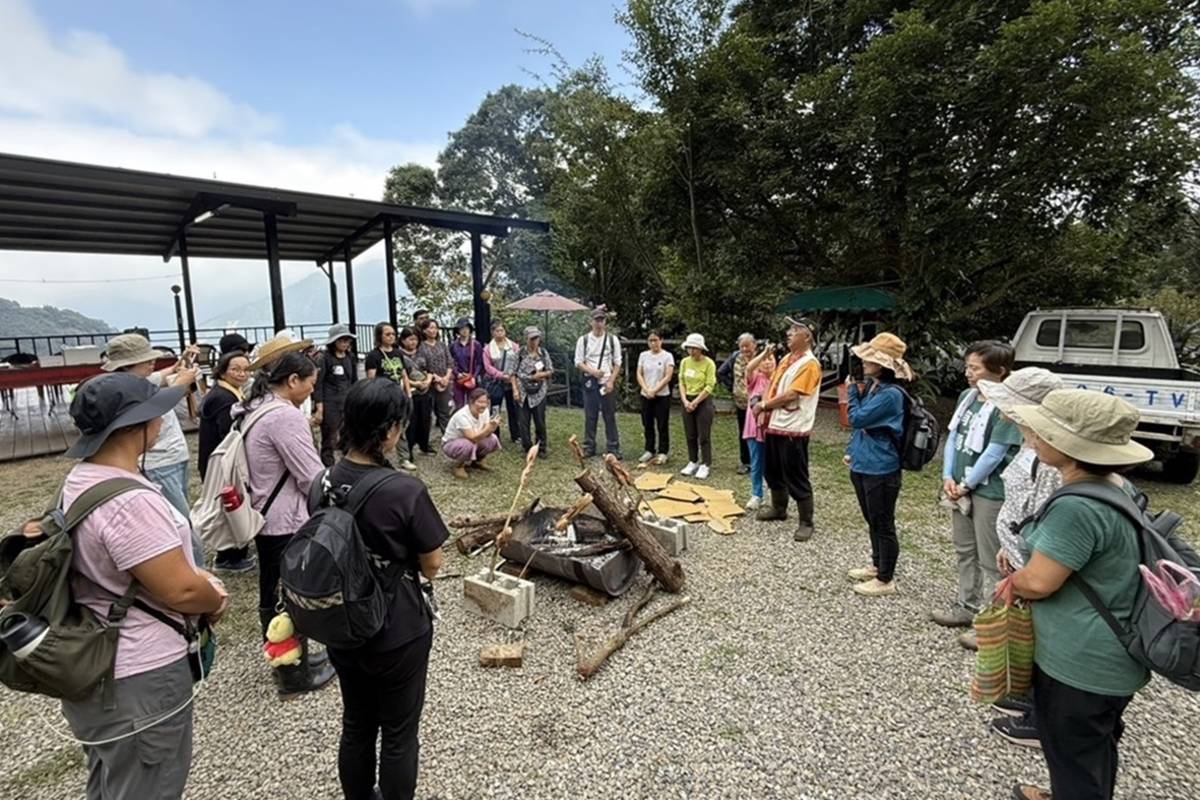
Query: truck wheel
x,y
1181,467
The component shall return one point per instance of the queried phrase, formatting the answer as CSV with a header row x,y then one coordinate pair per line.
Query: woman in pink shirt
x,y
758,378
283,462
137,535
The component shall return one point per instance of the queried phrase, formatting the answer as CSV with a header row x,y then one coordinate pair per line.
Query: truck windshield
x,y
1092,333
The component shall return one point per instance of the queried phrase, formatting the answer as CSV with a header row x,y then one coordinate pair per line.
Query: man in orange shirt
x,y
787,412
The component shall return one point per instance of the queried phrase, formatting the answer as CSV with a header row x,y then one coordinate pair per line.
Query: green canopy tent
x,y
845,299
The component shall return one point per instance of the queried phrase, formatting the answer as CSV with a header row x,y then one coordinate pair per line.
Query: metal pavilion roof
x,y
62,206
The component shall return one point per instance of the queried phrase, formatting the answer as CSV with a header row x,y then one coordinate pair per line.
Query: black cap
x,y
107,403
234,343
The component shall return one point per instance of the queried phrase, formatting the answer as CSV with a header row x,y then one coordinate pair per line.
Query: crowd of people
x,y
1015,437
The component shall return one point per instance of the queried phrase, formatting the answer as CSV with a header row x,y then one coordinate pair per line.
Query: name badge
x,y
539,365
690,373
339,370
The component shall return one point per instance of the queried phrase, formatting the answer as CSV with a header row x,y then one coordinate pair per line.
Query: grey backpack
x,y
1154,637
65,650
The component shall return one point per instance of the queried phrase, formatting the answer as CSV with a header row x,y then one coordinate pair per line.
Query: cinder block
x,y
672,534
506,600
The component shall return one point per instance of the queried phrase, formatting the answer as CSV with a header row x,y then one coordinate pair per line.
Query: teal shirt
x,y
1000,431
1073,643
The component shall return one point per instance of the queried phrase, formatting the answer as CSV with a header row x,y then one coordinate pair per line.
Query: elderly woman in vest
x,y
733,376
1083,677
787,412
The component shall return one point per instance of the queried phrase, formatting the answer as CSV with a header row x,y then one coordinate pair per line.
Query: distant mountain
x,y
307,301
17,320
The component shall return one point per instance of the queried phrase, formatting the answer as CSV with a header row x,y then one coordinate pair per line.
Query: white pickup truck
x,y
1128,353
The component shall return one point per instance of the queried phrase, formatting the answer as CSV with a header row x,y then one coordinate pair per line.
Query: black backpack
x,y
330,582
1154,637
919,441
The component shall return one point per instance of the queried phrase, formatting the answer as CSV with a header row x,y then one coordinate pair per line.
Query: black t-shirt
x,y
386,365
398,522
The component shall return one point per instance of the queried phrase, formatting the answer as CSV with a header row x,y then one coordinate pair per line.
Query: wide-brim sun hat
x,y
127,350
887,350
464,322
695,340
339,331
1091,427
1027,386
274,349
107,403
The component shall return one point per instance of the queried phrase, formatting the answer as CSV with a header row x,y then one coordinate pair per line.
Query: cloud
x,y
84,75
84,102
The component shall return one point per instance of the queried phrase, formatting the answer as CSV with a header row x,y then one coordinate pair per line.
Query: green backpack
x,y
78,650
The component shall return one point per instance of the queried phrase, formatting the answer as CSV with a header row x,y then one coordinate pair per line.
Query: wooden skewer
x,y
574,511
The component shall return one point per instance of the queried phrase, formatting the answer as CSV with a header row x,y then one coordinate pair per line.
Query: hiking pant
x,y
743,446
270,554
463,451
419,426
656,418
697,429
173,481
331,427
382,696
877,495
443,405
785,466
757,456
509,401
535,416
976,544
595,404
1079,732
154,763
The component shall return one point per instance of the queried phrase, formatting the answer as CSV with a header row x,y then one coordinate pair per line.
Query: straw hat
x,y
1025,387
127,350
886,350
274,349
1092,427
695,340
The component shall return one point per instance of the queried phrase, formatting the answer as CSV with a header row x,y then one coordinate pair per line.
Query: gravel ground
x,y
776,682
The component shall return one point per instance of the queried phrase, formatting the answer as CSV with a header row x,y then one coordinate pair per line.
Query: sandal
x,y
1027,791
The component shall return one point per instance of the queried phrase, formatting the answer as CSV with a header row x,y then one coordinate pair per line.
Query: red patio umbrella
x,y
547,301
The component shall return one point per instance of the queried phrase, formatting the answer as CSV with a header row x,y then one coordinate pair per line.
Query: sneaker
x,y
408,466
1014,706
660,459
1018,730
954,617
246,564
743,469
755,502
702,472
690,469
645,457
969,641
875,588
862,573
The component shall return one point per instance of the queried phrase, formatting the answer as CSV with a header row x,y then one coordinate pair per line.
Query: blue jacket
x,y
878,421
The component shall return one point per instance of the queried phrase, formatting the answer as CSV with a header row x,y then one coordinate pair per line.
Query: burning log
x,y
482,530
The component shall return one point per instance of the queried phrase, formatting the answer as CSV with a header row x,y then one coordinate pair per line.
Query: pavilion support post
x,y
278,317
390,261
179,320
333,304
483,311
188,303
351,314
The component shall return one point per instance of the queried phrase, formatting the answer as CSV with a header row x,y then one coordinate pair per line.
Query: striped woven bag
x,y
1004,663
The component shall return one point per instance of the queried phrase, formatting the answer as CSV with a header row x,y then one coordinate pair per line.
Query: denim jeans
x,y
756,466
173,480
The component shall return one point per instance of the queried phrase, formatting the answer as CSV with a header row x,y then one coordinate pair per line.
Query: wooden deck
x,y
38,430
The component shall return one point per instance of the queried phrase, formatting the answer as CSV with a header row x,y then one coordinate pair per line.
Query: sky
x,y
302,95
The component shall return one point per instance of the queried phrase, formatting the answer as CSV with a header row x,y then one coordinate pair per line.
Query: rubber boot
x,y
307,676
804,528
777,510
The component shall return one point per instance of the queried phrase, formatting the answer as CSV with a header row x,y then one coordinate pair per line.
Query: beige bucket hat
x,y
1025,387
277,347
886,350
1092,427
127,350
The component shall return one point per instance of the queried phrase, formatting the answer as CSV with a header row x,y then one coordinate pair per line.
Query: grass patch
x,y
721,658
